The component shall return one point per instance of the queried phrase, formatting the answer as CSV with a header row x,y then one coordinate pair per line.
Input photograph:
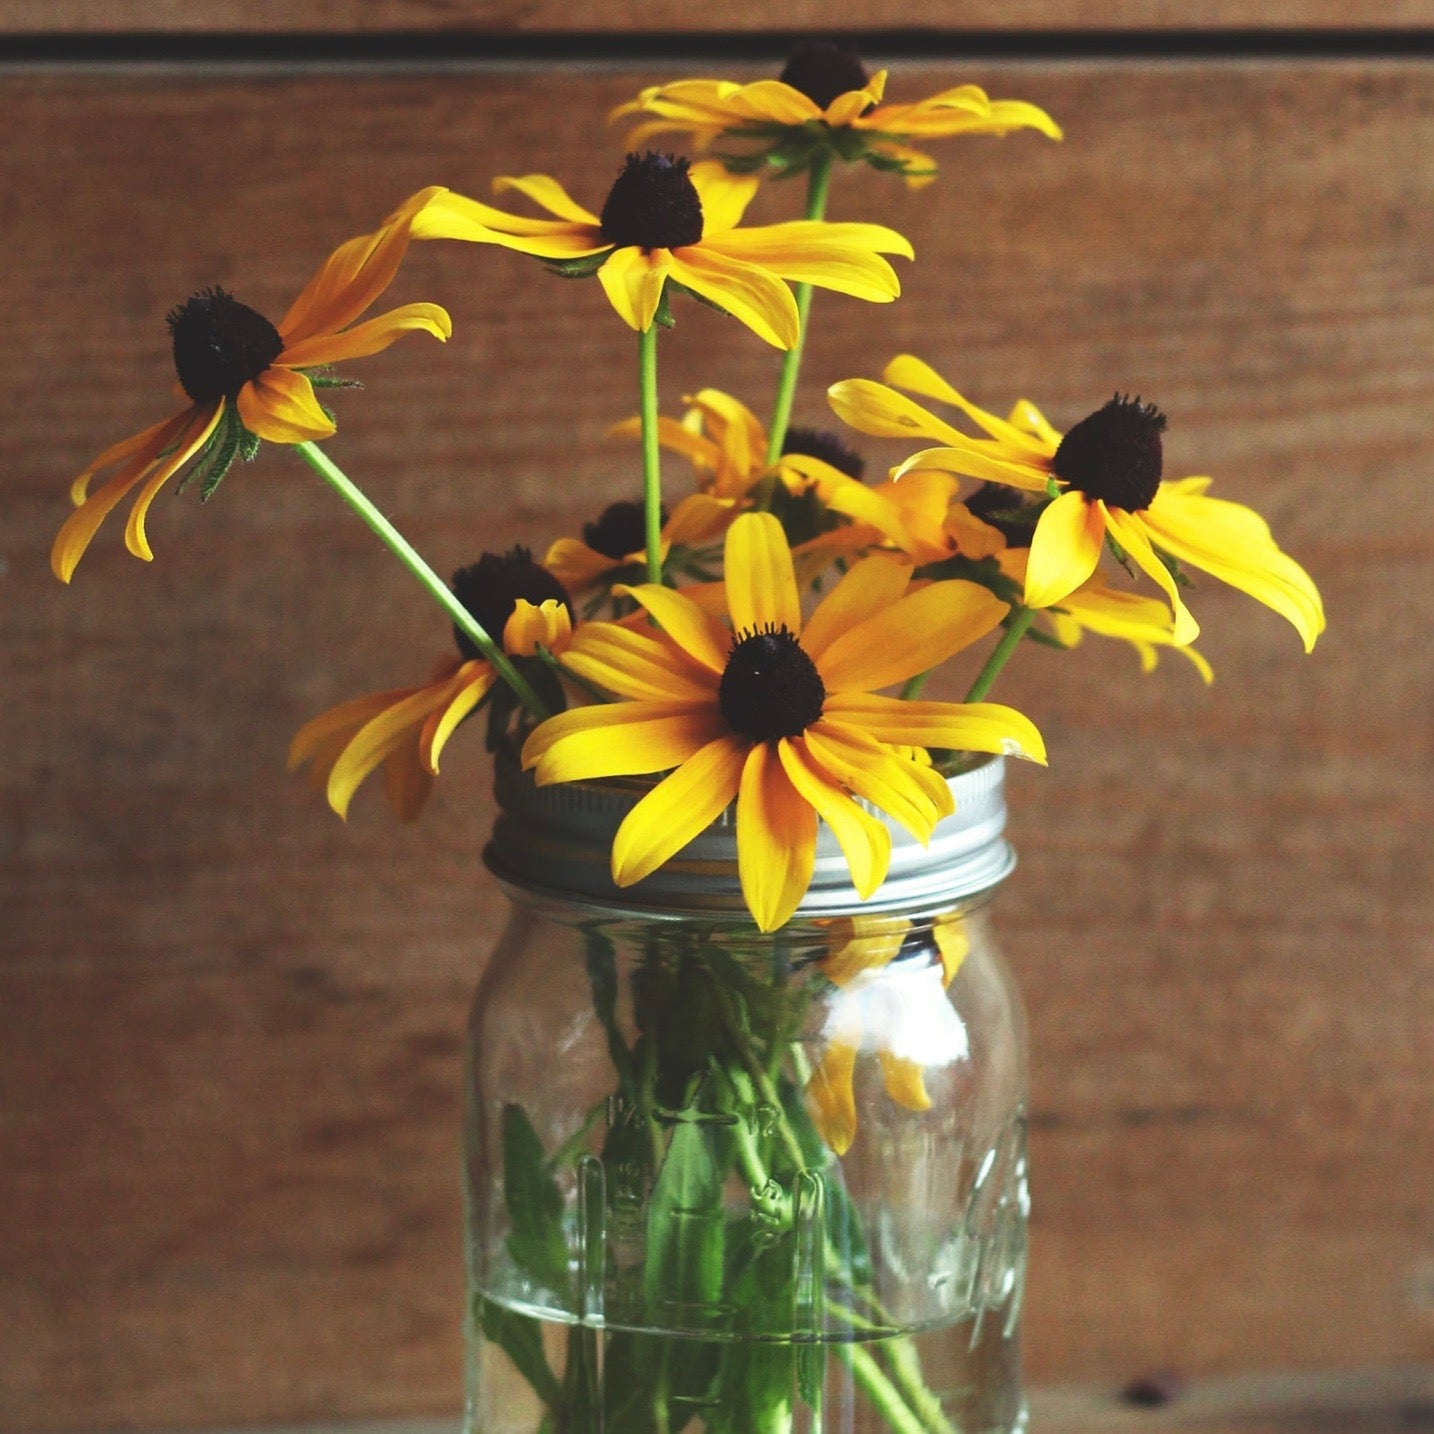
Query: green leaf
x,y
535,1204
520,1337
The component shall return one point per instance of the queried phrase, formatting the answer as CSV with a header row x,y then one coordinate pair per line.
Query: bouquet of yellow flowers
x,y
752,651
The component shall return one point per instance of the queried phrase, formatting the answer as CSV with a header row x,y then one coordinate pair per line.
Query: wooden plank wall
x,y
230,1026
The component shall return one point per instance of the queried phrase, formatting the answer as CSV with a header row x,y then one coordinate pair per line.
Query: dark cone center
x,y
491,587
770,687
1115,454
621,529
817,443
652,204
220,345
822,70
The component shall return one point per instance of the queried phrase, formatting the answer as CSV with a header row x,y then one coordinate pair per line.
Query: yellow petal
x,y
454,216
280,406
576,565
953,943
406,781
845,258
548,194
913,634
135,538
1065,549
955,726
985,459
677,809
1233,543
904,1081
547,624
869,586
911,373
619,739
355,274
865,842
699,518
873,408
861,943
1129,532
724,196
873,772
761,584
632,279
830,1097
468,688
640,665
776,839
748,292
340,723
377,738
140,452
697,633
370,337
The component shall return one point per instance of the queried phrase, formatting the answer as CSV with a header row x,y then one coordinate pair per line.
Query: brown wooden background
x,y
230,1025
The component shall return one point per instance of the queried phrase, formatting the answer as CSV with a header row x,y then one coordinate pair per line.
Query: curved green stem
x,y
913,686
1015,631
651,457
818,183
431,583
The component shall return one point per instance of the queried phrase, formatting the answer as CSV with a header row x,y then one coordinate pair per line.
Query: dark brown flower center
x,y
817,443
770,687
822,70
1115,454
652,204
220,345
491,587
621,529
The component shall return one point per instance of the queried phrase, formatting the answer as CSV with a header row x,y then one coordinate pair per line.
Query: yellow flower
x,y
779,714
664,220
245,380
1106,475
406,728
896,1009
824,103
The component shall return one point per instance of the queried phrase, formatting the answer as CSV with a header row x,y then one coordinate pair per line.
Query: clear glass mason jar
x,y
739,1183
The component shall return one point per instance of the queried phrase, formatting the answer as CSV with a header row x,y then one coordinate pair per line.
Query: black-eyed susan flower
x,y
405,729
824,104
1106,478
247,379
778,714
890,1002
665,221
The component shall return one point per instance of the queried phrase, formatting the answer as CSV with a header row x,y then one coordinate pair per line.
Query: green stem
x,y
914,685
651,457
818,183
880,1390
431,583
1015,631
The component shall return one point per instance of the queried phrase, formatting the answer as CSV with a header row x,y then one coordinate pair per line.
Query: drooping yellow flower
x,y
893,1008
406,728
665,220
824,102
1107,475
778,714
245,379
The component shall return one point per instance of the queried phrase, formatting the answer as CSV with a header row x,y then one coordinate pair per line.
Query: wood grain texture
x,y
677,16
230,1060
